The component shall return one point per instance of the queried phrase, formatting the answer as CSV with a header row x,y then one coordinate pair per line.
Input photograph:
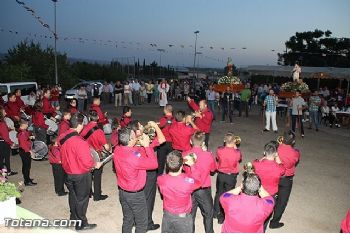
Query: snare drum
x,y
107,128
13,137
39,149
53,127
95,156
103,157
9,122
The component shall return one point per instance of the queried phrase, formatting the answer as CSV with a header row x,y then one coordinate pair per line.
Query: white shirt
x,y
136,86
211,95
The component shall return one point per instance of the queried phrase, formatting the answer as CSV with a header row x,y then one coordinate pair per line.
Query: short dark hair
x,y
251,184
270,148
10,95
134,125
126,109
198,139
93,116
76,119
174,161
180,115
38,105
23,121
73,99
95,98
289,138
124,136
169,107
65,112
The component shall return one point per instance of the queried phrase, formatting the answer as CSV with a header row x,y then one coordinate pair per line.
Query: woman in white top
x,y
127,94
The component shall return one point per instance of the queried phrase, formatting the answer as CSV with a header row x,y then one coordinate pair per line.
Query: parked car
x,y
73,92
25,87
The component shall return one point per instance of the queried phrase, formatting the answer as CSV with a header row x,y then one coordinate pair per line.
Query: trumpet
x,y
249,168
280,139
237,140
149,131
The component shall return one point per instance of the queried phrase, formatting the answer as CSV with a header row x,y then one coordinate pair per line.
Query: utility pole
x,y
56,72
195,54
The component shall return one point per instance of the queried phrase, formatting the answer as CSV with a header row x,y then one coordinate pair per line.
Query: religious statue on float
x,y
296,72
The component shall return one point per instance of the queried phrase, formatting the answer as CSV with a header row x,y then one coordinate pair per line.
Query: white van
x,y
25,87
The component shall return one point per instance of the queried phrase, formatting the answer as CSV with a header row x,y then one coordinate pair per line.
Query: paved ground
x,y
319,200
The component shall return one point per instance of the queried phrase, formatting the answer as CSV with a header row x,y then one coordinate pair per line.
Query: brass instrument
x,y
237,140
193,157
249,168
149,131
280,139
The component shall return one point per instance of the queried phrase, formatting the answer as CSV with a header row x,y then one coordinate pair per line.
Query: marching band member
x,y
38,119
25,151
290,157
73,106
19,101
96,106
64,125
131,169
97,140
47,108
228,158
200,170
180,132
246,207
59,175
126,118
177,188
345,225
5,144
151,179
270,170
204,117
12,109
77,163
114,134
164,149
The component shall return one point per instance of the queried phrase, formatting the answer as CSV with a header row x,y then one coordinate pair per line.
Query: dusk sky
x,y
258,25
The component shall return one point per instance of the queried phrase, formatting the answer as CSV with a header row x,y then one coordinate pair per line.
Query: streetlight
x,y
160,61
56,73
199,53
195,54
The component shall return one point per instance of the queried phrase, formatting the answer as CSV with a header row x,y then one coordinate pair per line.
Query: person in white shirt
x,y
105,92
127,94
136,92
333,120
211,97
111,91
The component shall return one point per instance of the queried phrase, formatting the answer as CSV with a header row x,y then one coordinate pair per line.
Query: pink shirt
x,y
289,157
204,164
176,191
228,159
245,213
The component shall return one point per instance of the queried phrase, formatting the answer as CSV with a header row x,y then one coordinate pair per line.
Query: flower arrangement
x,y
7,189
294,86
229,80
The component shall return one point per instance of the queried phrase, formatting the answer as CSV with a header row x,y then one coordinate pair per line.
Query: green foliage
x,y
316,48
8,190
20,72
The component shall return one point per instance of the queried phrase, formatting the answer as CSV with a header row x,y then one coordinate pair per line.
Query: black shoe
x,y
275,225
18,201
101,198
11,173
153,227
275,131
221,220
62,194
31,180
316,129
265,130
29,184
302,135
88,226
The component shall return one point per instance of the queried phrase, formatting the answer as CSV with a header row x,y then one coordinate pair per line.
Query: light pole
x,y
56,73
195,53
160,61
199,53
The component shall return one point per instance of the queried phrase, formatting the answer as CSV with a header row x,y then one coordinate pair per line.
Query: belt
x,y
205,187
287,176
130,191
2,140
182,215
219,172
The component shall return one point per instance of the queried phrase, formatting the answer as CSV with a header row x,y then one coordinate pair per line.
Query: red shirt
x,y
345,225
4,133
114,137
38,120
204,164
75,154
164,124
55,95
270,173
245,213
181,135
124,121
101,117
97,139
73,109
55,155
47,107
12,110
176,191
63,126
23,140
289,157
228,159
203,123
19,102
131,167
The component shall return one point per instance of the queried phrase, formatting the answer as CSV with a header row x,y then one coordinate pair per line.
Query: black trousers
x,y
224,183
284,190
298,118
135,212
206,140
97,179
150,193
227,110
5,152
26,165
202,198
149,97
162,152
244,106
59,177
79,187
176,224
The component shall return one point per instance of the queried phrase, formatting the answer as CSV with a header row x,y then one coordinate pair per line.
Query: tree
x,y
316,48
